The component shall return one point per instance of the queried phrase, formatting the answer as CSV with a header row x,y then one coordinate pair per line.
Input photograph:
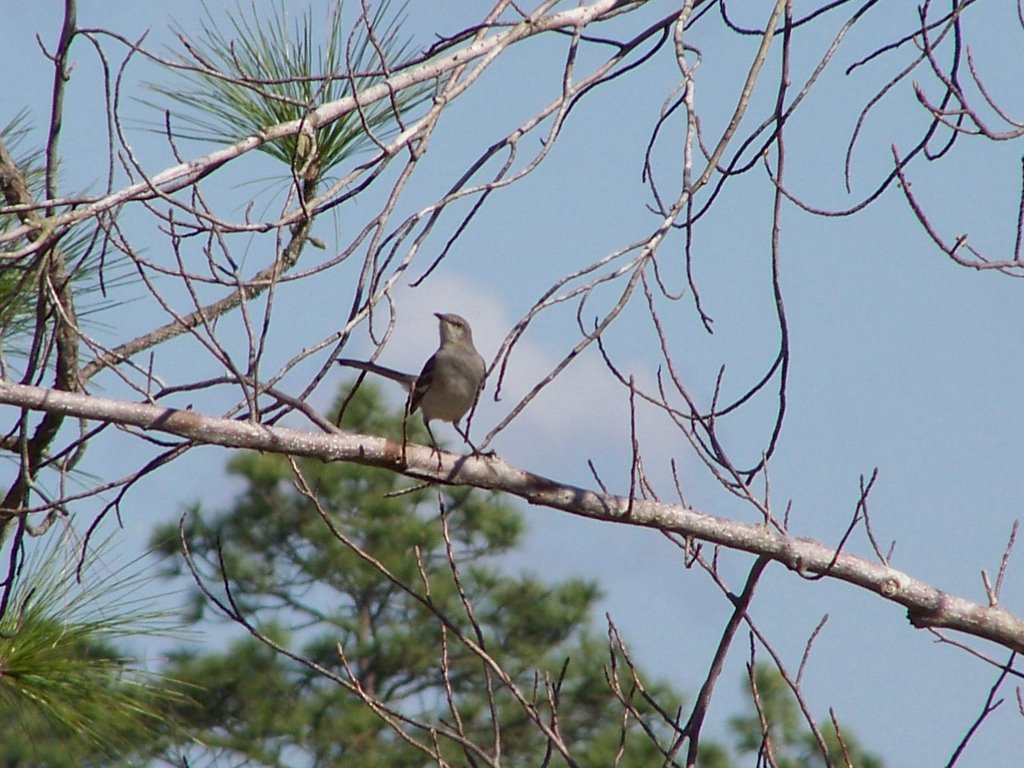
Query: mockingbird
x,y
450,380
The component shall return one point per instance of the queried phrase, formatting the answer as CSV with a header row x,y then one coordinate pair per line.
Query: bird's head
x,y
454,328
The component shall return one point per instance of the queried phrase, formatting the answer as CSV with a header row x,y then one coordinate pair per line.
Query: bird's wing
x,y
422,384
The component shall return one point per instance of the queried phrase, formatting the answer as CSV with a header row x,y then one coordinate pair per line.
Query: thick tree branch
x,y
55,300
926,606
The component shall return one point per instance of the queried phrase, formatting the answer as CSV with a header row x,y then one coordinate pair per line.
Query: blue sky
x,y
900,359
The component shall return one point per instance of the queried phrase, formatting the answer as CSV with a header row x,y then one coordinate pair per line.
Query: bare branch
x,y
926,606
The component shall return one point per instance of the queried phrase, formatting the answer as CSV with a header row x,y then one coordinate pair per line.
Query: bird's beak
x,y
439,315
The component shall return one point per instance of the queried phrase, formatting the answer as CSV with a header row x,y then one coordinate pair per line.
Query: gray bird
x,y
450,380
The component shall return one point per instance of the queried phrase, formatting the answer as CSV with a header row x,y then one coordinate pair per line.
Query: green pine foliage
x,y
260,68
315,590
69,694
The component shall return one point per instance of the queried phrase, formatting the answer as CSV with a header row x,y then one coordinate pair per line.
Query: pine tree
x,y
316,587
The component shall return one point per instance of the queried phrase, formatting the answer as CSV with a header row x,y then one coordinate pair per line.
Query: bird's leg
x,y
433,442
405,436
465,436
